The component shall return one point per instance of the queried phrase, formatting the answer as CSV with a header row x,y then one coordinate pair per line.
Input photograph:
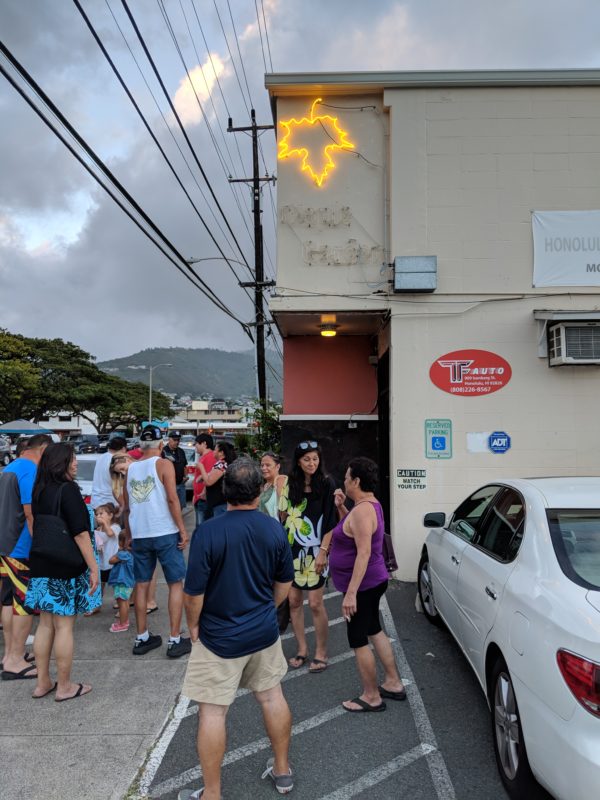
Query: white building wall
x,y
467,167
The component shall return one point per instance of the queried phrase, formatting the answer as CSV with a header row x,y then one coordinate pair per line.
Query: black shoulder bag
x,y
54,552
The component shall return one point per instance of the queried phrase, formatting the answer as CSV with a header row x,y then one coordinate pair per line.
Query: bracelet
x,y
325,549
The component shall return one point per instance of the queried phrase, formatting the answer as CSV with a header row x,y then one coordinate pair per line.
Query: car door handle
x,y
491,593
455,560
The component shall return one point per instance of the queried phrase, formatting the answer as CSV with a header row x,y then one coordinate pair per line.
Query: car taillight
x,y
583,679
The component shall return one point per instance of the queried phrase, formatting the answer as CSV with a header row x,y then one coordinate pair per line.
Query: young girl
x,y
107,538
122,580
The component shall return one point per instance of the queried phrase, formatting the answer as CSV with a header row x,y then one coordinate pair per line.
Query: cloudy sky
x,y
72,265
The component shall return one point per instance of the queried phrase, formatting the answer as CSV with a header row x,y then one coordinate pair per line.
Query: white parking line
x,y
379,774
160,748
246,750
435,761
290,635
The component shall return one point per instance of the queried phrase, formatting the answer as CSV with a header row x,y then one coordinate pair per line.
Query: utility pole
x,y
259,282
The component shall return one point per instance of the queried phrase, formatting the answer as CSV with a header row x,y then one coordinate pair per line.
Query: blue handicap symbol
x,y
438,442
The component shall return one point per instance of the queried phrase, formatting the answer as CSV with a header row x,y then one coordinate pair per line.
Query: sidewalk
x,y
90,747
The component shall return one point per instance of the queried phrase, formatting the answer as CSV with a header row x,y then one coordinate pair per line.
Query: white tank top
x,y
149,514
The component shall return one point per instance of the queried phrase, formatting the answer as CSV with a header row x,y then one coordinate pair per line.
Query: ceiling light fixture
x,y
329,330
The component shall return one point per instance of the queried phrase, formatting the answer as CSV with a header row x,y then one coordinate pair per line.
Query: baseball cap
x,y
175,434
151,433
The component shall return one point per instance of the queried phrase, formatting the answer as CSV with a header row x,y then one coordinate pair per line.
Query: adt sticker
x,y
499,442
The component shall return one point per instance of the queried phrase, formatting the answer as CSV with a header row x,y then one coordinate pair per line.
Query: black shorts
x,y
365,622
104,575
6,594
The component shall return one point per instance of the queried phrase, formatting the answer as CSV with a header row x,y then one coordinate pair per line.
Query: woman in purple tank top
x,y
358,570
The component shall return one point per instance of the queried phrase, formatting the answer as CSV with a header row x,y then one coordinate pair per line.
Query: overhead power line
x,y
29,80
150,131
181,126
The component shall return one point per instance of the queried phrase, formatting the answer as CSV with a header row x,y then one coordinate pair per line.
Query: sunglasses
x,y
308,445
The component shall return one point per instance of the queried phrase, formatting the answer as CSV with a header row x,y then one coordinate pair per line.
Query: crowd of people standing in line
x,y
273,537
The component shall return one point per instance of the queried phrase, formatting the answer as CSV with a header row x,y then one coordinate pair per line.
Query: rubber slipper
x,y
29,658
300,658
19,676
401,695
319,669
78,693
151,610
364,707
39,696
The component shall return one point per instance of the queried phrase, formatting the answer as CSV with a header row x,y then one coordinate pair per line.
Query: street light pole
x,y
150,370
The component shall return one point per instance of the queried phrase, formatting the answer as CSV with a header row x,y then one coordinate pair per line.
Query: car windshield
x,y
85,470
576,538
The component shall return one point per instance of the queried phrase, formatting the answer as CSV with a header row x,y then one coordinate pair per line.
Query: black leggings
x,y
365,622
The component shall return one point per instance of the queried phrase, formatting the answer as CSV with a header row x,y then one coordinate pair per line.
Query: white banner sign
x,y
566,248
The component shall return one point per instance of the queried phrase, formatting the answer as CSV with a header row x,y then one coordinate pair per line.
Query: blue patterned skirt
x,y
63,596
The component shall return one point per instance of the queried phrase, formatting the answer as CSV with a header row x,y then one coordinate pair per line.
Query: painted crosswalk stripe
x,y
290,635
379,774
245,751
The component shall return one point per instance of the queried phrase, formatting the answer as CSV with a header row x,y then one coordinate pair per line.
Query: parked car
x,y
5,451
515,576
132,442
86,464
190,469
83,442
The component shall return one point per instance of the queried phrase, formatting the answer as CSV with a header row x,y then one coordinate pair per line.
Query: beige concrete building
x,y
407,208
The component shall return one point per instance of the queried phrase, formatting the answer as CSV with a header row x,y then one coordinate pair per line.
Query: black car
x,y
83,442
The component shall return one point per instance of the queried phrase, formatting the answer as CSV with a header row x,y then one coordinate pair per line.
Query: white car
x,y
86,463
515,576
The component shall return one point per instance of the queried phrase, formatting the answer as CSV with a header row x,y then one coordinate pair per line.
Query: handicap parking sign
x,y
438,438
499,442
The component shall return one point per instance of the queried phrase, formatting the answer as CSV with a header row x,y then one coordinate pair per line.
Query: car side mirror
x,y
435,519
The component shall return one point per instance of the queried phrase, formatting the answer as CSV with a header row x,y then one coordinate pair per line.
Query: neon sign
x,y
338,136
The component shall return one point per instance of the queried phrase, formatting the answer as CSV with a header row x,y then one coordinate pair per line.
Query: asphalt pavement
x,y
435,746
134,735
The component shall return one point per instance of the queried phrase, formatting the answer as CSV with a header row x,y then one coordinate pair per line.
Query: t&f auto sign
x,y
470,372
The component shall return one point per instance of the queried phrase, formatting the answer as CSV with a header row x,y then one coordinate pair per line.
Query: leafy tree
x,y
267,426
45,376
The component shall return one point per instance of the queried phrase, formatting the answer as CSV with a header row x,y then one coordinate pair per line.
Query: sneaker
x,y
116,627
283,783
190,794
140,648
180,648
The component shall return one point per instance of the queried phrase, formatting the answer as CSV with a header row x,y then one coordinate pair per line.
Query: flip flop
x,y
78,693
29,658
319,669
364,707
151,610
19,676
401,695
300,658
39,696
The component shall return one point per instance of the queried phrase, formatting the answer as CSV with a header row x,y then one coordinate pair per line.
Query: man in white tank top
x,y
154,526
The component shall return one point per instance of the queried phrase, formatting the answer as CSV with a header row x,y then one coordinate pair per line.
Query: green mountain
x,y
197,371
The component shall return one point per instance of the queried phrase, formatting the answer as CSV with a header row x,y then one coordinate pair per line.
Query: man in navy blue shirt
x,y
240,569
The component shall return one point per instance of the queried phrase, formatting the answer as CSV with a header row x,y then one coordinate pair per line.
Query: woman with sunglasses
x,y
308,506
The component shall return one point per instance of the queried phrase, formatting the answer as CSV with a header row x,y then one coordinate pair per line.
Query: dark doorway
x,y
383,433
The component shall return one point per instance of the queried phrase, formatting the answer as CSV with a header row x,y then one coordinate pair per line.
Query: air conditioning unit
x,y
573,343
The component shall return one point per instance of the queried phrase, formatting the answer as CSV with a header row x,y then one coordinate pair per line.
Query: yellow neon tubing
x,y
285,151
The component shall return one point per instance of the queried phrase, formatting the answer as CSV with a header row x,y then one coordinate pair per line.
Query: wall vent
x,y
573,343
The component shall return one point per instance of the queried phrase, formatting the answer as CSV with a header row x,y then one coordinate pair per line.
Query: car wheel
x,y
425,590
6,460
509,744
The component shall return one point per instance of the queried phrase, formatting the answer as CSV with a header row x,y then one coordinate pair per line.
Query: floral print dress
x,y
306,524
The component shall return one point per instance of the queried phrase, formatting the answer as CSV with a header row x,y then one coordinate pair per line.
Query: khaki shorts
x,y
211,679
